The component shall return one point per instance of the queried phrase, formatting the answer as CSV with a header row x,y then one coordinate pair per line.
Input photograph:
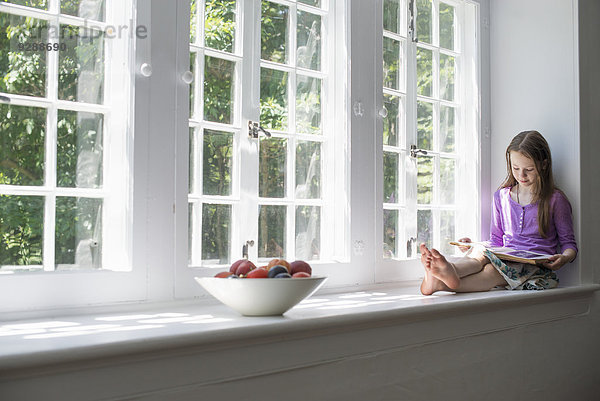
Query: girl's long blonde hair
x,y
534,146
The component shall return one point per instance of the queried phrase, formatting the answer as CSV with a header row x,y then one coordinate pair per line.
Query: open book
x,y
509,254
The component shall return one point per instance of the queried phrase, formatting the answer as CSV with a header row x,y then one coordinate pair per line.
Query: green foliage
x,y
219,24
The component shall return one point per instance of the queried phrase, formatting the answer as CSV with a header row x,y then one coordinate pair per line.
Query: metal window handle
x,y
4,99
412,31
245,248
254,130
414,152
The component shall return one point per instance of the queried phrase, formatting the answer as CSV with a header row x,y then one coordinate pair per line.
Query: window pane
x,y
392,122
80,147
21,231
390,225
273,99
216,233
78,233
22,141
308,54
391,63
81,65
308,105
424,21
315,3
308,170
88,9
22,71
447,232
424,125
193,21
274,32
219,24
218,162
271,231
272,168
447,130
308,232
425,227
390,177
447,26
447,77
424,72
218,90
391,16
425,180
194,162
447,180
41,4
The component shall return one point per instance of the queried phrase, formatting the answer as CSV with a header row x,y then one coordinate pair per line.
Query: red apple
x,y
300,266
223,274
258,273
244,268
300,275
235,265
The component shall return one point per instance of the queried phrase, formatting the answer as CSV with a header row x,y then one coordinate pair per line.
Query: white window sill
x,y
67,341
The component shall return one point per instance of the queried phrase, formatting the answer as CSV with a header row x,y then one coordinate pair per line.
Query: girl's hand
x,y
557,261
464,248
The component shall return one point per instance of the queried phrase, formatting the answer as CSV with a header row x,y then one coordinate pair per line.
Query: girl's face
x,y
523,169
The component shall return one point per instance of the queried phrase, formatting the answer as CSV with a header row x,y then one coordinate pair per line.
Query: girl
x,y
529,213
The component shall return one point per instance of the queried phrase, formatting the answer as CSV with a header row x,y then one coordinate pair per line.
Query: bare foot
x,y
436,264
432,284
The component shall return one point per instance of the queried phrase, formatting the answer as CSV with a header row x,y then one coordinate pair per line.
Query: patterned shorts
x,y
523,276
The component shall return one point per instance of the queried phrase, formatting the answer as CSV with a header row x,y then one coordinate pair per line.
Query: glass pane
x,y
390,177
308,170
424,72
193,21
424,179
314,3
219,24
447,130
21,231
78,233
191,232
308,53
81,65
391,16
271,231
218,162
218,90
447,26
274,32
391,63
308,232
22,140
22,69
88,9
390,226
272,168
80,148
447,232
447,181
216,233
424,21
424,125
447,77
193,57
308,105
273,99
392,122
425,228
194,162
41,4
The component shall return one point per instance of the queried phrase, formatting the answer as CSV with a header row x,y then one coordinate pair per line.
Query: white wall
x,y
535,86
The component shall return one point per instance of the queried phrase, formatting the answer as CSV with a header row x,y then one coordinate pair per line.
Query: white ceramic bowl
x,y
261,296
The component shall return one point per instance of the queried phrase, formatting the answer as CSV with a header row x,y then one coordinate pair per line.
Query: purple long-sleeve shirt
x,y
515,226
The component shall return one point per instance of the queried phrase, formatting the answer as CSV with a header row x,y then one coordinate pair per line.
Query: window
x,y
428,130
64,136
280,183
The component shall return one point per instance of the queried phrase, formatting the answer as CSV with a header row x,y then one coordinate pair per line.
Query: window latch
x,y
245,248
4,99
412,31
254,130
414,152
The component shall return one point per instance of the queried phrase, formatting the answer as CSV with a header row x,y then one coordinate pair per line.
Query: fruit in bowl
x,y
262,291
